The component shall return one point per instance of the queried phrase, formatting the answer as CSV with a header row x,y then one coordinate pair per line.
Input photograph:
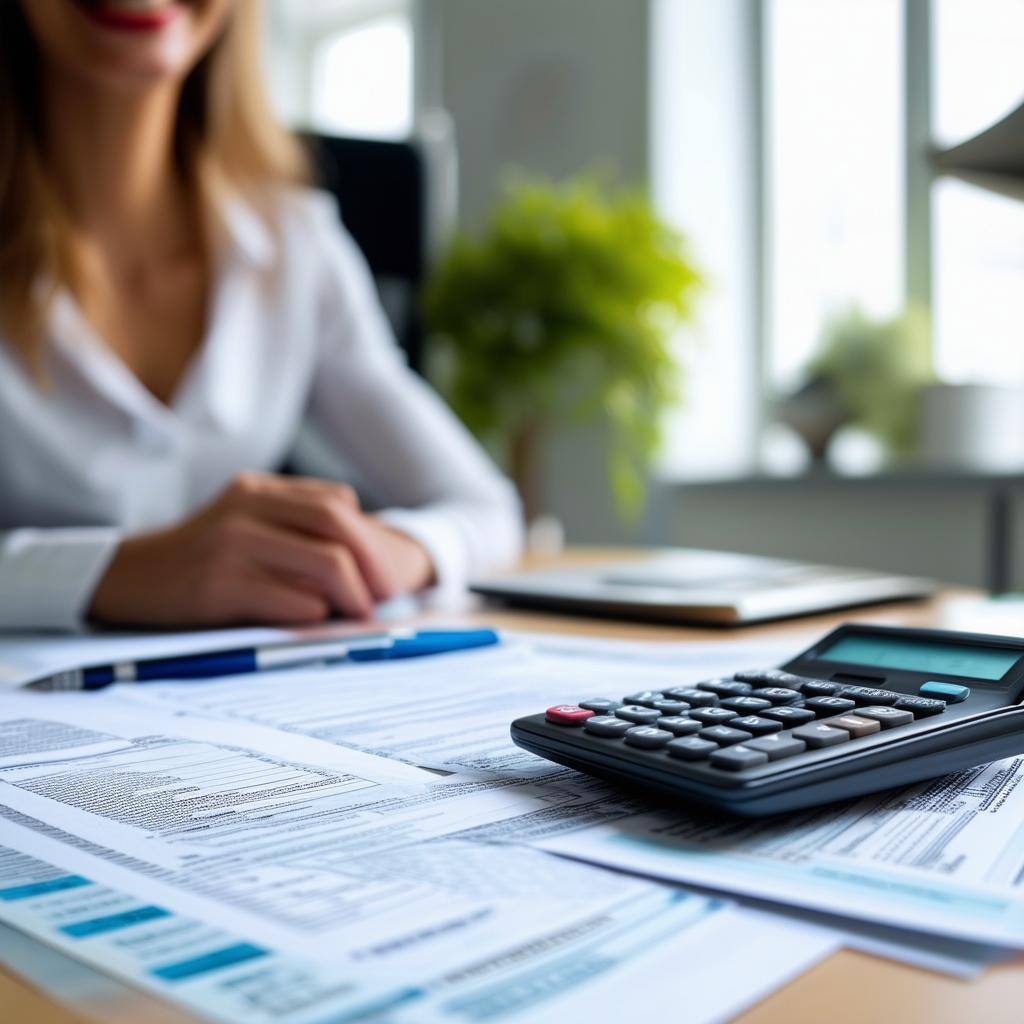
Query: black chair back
x,y
382,198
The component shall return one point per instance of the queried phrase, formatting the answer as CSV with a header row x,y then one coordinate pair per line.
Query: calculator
x,y
866,708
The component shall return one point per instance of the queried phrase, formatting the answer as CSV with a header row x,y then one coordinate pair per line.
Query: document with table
x,y
351,841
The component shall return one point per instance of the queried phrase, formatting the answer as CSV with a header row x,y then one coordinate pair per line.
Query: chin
x,y
127,42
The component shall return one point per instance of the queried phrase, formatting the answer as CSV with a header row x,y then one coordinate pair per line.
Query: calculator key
x,y
746,705
780,677
725,687
819,688
921,707
756,676
670,707
568,714
777,694
600,705
637,714
777,746
712,716
723,735
951,693
822,706
887,718
679,726
694,697
648,737
868,695
645,698
756,725
607,725
735,759
690,748
820,735
789,715
855,725
790,680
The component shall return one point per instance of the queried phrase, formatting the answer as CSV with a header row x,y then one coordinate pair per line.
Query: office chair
x,y
381,188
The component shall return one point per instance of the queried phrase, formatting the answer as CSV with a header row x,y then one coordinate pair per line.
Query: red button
x,y
568,714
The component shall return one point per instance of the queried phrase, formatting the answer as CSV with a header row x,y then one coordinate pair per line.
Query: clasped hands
x,y
269,549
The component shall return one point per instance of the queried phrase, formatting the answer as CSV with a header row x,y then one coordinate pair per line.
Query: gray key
x,y
777,694
694,697
723,735
679,725
821,735
756,725
735,759
725,687
778,746
601,705
648,737
645,698
887,718
746,705
789,715
921,707
607,725
855,725
712,716
637,715
823,706
868,695
669,707
691,748
819,688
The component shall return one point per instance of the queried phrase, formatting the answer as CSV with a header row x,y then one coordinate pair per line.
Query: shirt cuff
x,y
440,537
47,577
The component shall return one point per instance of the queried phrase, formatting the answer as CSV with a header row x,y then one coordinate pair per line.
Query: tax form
x,y
261,876
293,841
944,856
620,959
452,712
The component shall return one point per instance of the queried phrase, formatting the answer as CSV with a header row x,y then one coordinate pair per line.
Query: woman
x,y
175,308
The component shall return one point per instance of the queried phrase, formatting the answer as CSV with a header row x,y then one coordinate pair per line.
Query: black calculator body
x,y
866,708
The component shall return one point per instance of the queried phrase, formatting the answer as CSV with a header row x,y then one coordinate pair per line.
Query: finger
x,y
317,513
329,565
266,599
247,488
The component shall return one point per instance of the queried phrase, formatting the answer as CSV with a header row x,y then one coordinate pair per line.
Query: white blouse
x,y
298,358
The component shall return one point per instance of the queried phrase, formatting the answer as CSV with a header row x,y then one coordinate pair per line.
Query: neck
x,y
112,154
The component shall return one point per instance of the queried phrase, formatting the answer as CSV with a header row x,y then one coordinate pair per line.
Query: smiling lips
x,y
132,15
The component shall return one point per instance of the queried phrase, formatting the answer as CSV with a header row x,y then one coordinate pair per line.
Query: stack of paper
x,y
270,848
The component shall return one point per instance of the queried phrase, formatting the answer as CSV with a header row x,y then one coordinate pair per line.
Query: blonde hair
x,y
226,137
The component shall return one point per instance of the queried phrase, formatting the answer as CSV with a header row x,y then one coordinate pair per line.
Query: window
x,y
343,67
362,79
978,236
834,155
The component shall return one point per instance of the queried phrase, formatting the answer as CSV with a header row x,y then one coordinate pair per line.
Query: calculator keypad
x,y
756,718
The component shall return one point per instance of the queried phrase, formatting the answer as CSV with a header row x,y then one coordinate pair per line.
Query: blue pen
x,y
240,660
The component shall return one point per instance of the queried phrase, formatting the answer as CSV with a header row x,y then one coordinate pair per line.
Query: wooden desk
x,y
847,988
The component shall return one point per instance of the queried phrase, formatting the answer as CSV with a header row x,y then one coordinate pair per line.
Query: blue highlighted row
x,y
112,922
25,892
215,961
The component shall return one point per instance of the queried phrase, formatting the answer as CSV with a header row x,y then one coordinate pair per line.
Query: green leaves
x,y
878,369
563,309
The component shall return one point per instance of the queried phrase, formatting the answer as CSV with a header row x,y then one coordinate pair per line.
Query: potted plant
x,y
868,373
563,308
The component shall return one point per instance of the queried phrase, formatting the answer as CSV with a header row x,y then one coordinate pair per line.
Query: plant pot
x,y
973,426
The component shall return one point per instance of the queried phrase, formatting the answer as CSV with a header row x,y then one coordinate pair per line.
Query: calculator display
x,y
922,656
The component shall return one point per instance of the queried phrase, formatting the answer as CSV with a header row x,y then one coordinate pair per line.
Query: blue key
x,y
951,693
